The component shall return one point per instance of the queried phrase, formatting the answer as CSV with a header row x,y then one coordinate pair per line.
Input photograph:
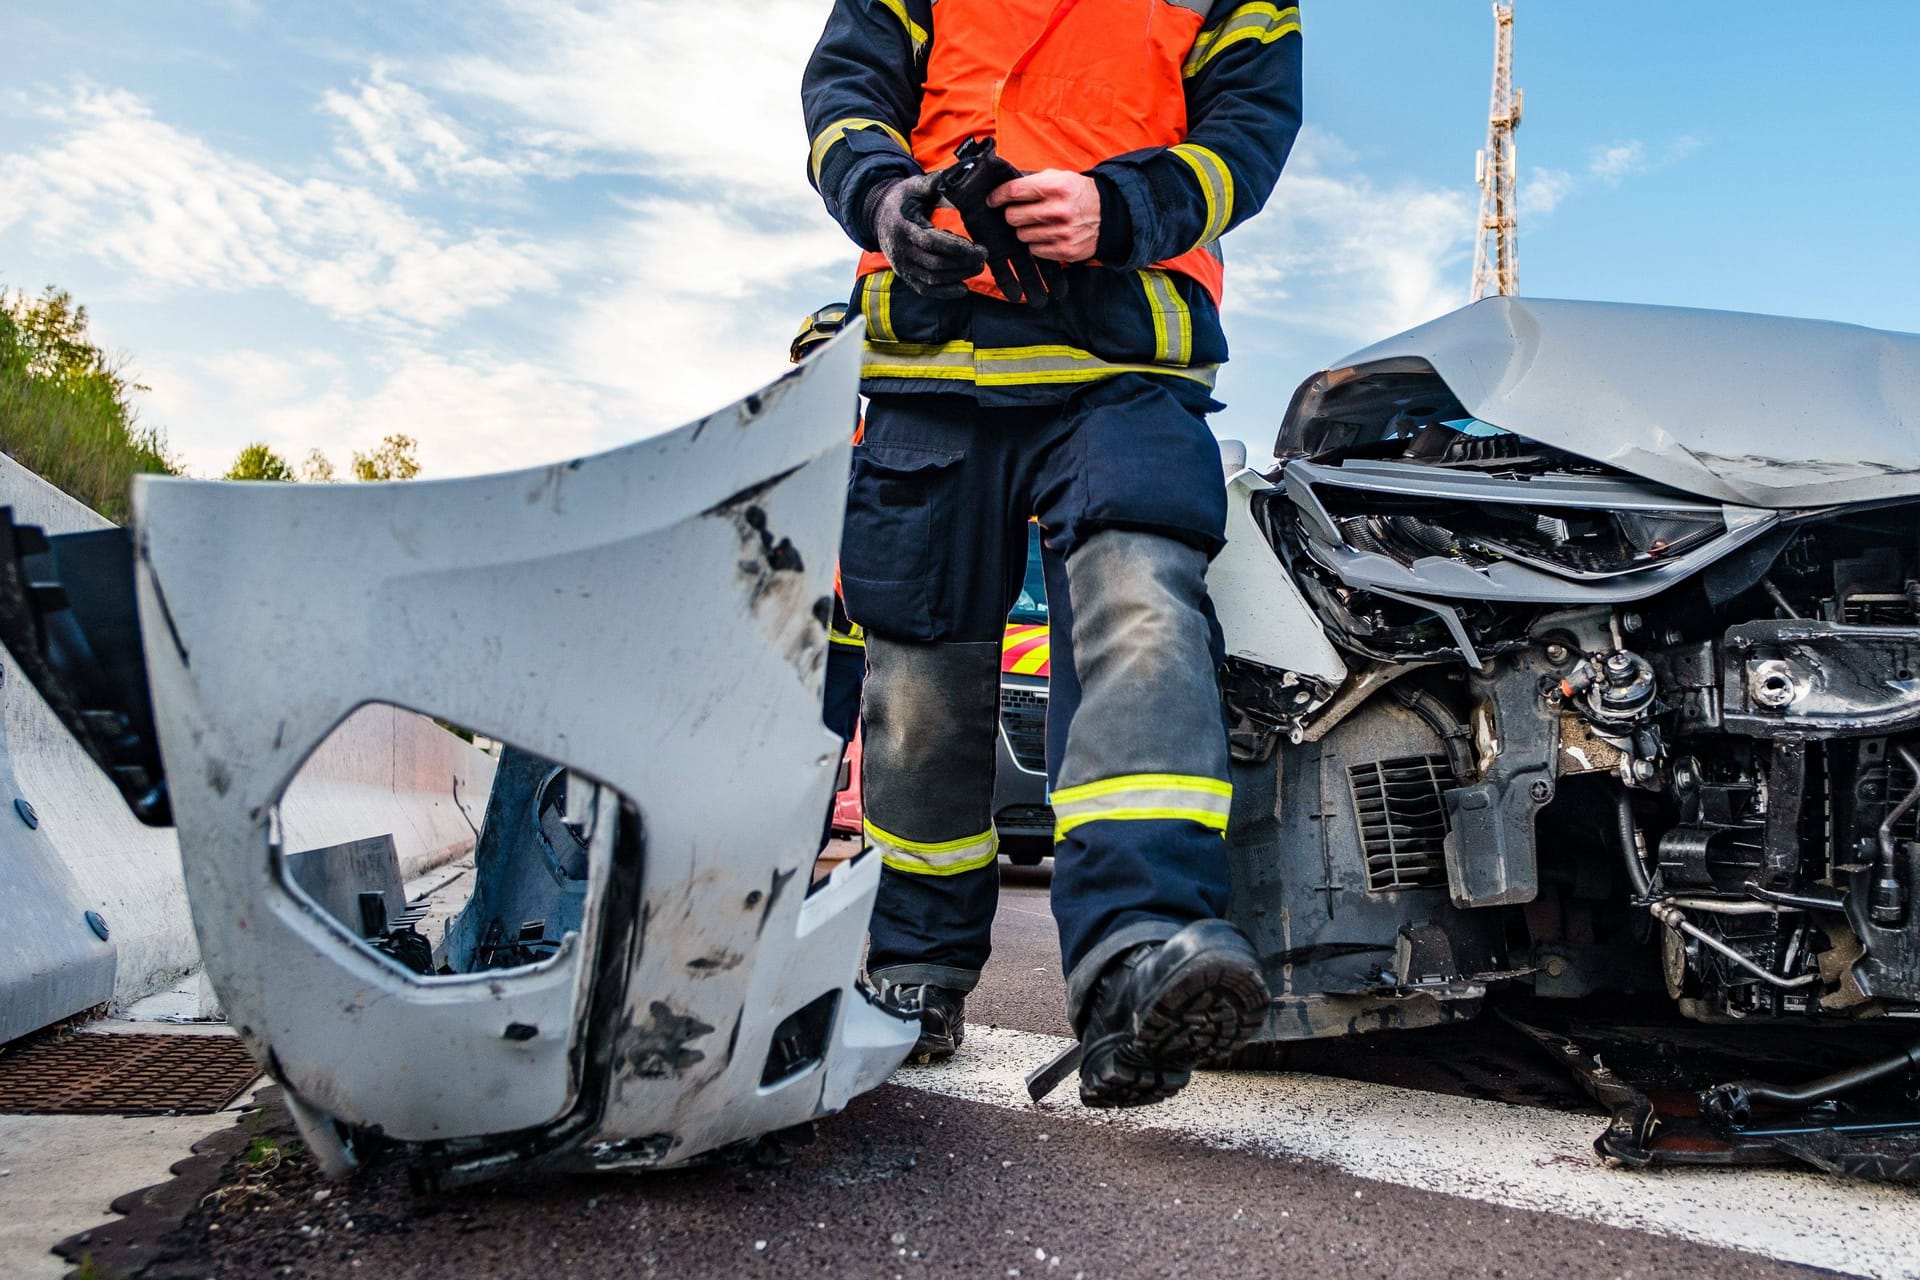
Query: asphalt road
x,y
945,1173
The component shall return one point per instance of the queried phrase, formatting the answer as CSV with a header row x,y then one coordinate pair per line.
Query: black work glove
x,y
934,262
978,168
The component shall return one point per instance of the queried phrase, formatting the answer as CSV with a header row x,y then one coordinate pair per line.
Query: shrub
x,y
65,410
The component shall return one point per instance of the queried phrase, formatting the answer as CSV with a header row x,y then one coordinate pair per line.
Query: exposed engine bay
x,y
1596,736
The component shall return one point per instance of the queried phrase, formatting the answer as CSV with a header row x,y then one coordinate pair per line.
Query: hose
x,y
1888,896
1629,835
1733,1103
1799,901
1672,917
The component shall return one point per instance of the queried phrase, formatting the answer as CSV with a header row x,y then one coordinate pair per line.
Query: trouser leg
x,y
929,719
1143,797
1137,749
936,540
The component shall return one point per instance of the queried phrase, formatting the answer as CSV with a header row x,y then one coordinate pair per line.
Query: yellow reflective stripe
x,y
876,304
1172,321
916,33
1259,21
941,858
1008,366
839,129
852,641
1143,797
1216,184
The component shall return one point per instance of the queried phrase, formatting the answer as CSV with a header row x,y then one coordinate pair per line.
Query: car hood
x,y
1762,411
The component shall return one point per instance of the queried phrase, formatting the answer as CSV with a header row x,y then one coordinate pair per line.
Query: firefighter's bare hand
x,y
1055,212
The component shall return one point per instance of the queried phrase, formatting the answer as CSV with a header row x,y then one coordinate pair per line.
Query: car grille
x,y
1024,817
1403,821
1023,714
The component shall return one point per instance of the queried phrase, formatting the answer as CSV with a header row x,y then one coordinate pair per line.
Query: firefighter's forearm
x,y
861,94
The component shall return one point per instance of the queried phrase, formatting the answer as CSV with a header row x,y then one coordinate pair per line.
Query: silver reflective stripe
x,y
949,362
1172,321
1143,797
1201,7
1259,21
1009,366
1216,185
940,858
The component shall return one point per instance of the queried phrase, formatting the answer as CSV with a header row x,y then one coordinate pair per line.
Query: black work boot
x,y
1165,1008
942,1018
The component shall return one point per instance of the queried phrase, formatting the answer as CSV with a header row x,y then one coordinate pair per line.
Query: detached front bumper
x,y
654,619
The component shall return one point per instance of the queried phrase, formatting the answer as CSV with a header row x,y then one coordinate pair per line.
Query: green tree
x,y
66,407
317,469
259,462
391,459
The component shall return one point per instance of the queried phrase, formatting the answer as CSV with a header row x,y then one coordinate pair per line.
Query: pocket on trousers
x,y
894,555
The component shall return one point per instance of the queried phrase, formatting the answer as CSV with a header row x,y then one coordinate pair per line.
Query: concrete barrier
x,y
383,771
129,873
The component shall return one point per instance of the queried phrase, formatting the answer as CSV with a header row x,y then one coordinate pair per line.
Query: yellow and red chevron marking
x,y
1026,650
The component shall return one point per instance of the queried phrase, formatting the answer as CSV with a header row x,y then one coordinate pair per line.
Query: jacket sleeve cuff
x,y
1146,187
1116,222
853,168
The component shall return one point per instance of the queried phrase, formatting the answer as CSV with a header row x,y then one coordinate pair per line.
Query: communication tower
x,y
1496,253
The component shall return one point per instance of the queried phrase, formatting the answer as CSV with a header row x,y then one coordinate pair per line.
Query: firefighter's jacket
x,y
1182,111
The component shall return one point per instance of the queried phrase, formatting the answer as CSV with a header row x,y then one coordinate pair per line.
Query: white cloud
x,y
1338,253
1618,160
471,411
173,212
391,129
698,93
1542,190
695,313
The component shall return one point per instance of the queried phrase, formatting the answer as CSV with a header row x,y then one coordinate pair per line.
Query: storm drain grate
x,y
124,1075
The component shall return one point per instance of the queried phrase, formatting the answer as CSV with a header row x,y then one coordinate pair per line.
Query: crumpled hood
x,y
1762,411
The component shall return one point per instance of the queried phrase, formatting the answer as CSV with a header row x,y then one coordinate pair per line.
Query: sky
x,y
522,230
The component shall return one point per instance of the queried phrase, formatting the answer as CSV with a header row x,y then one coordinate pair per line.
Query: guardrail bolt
x,y
97,923
27,815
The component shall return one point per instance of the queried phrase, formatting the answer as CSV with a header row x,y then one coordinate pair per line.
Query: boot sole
x,y
1206,1010
930,1051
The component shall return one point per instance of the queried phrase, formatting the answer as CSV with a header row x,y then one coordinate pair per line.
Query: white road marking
x,y
1521,1157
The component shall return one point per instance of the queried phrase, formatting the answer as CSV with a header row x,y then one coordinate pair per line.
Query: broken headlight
x,y
1570,541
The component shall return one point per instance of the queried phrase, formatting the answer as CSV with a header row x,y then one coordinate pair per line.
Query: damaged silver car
x,y
636,968
1575,651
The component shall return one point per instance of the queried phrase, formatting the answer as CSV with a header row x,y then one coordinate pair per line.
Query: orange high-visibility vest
x,y
1060,84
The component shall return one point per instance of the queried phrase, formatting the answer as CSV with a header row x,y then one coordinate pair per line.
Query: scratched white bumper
x,y
654,618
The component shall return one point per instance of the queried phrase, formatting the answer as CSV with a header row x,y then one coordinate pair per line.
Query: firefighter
x,y
1072,385
846,644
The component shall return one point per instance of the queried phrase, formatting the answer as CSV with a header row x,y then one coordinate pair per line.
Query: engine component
x,y
1887,901
1491,858
1614,690
1795,675
1366,939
